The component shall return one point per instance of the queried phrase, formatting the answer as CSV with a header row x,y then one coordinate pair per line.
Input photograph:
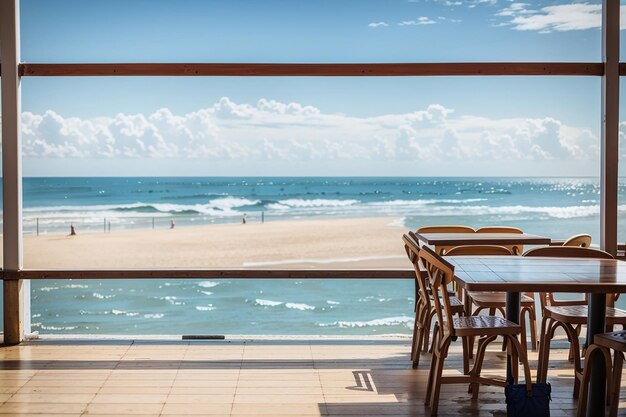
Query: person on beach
x,y
172,224
244,218
72,230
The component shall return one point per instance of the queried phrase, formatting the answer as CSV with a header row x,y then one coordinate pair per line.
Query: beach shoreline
x,y
367,242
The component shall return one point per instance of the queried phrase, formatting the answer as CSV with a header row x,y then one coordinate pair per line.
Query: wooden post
x,y
610,126
14,290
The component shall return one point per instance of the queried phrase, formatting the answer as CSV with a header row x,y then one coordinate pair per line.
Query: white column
x,y
14,291
610,126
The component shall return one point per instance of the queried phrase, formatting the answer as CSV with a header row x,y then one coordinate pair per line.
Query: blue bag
x,y
522,403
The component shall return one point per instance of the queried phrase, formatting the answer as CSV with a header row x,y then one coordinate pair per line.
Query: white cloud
x,y
378,24
274,131
557,18
468,3
422,20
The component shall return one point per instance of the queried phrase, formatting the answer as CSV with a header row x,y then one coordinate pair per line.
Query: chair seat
x,y
495,299
484,325
612,340
578,314
456,305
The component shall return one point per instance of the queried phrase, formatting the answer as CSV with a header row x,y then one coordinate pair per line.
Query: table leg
x,y
513,307
467,305
595,325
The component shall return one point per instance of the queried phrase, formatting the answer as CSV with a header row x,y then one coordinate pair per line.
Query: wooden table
x,y
515,274
460,239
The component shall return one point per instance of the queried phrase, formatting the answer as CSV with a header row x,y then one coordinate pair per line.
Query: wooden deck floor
x,y
243,378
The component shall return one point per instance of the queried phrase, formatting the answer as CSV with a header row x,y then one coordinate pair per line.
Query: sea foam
x,y
208,284
299,306
267,303
153,316
389,321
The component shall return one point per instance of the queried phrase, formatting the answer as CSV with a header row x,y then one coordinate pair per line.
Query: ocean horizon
x,y
552,206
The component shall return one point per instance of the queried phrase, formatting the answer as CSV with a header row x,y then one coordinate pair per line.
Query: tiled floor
x,y
242,378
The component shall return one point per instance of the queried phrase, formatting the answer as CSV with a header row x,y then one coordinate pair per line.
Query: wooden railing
x,y
315,70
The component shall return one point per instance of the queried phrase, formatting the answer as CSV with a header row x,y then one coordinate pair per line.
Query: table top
x,y
534,274
458,239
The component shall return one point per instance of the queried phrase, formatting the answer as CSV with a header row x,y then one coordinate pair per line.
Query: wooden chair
x,y
449,328
424,307
569,315
445,229
528,299
477,250
581,241
493,300
516,249
602,344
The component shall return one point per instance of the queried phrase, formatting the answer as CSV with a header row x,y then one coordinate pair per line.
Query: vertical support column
x,y
14,291
610,126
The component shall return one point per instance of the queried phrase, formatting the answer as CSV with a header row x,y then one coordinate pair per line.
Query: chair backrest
x,y
413,249
499,229
446,229
566,252
440,274
479,250
583,241
516,249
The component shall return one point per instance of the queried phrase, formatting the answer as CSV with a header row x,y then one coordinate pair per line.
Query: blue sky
x,y
338,126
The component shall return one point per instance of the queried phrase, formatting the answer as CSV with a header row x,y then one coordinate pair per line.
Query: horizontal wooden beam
x,y
315,70
209,273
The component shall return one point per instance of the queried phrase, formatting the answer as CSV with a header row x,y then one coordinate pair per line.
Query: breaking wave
x,y
389,321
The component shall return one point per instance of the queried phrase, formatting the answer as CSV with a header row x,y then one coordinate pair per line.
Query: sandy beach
x,y
320,243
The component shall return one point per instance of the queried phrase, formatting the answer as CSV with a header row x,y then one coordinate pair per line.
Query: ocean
x,y
556,207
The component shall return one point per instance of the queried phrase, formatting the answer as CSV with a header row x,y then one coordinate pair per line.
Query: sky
x,y
462,126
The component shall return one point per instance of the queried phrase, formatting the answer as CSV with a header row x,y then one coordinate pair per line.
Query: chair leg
x,y
418,338
427,324
586,375
434,400
616,382
522,323
477,311
575,349
466,359
501,310
544,349
478,364
513,351
431,376
520,356
415,326
436,333
533,327
584,389
571,355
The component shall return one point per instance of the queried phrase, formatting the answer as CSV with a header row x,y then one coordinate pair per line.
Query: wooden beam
x,y
14,292
610,126
316,70
209,273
